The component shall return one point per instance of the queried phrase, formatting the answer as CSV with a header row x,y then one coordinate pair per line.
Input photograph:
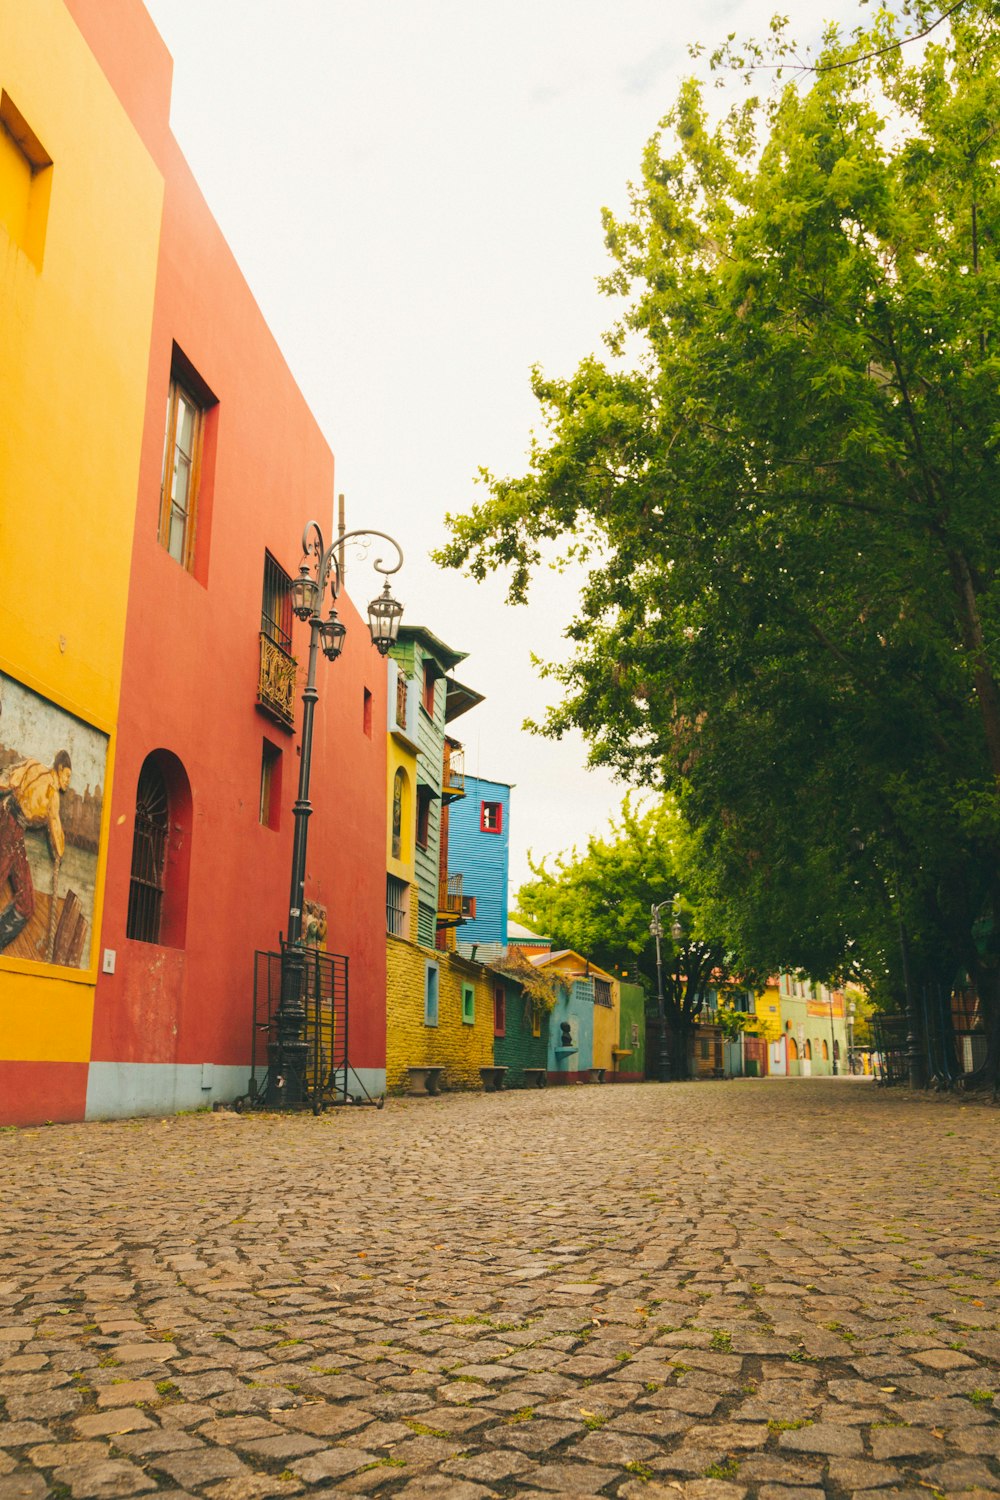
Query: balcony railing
x,y
450,896
276,683
453,781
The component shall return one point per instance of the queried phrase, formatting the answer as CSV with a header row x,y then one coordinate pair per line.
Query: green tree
x,y
788,502
599,902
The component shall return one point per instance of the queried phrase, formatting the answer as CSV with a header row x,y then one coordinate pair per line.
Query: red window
x,y
491,817
499,1010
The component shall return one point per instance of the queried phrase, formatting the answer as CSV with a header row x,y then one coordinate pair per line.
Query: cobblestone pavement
x,y
772,1289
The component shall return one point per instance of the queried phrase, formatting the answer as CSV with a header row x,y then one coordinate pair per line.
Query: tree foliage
x,y
788,501
599,903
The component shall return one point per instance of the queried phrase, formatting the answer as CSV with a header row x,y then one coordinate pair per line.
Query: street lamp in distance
x,y
319,571
676,932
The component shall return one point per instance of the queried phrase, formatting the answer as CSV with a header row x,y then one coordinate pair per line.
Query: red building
x,y
207,756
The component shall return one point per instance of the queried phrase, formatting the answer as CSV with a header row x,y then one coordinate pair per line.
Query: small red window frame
x,y
486,826
499,1010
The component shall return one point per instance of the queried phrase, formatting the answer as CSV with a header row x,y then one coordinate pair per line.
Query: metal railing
x,y
276,681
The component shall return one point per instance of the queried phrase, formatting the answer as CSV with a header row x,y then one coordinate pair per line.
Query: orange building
x,y
224,466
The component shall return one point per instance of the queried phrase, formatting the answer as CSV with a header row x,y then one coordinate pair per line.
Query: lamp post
x,y
320,569
676,932
833,1039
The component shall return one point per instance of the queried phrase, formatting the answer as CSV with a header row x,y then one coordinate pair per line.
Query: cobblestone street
x,y
773,1289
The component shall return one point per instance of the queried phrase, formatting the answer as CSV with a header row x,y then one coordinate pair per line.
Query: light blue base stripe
x,y
117,1091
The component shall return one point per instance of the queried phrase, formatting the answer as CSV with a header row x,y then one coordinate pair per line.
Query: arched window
x,y
826,1053
793,1050
807,1051
398,812
161,849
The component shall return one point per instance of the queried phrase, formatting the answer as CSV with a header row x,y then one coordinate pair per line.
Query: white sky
x,y
413,192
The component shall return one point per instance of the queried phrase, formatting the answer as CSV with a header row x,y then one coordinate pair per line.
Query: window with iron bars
x,y
276,604
397,916
602,992
149,848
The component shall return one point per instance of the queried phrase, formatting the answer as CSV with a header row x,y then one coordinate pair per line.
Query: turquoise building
x,y
479,851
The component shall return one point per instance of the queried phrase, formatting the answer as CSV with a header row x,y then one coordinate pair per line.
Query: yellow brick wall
x,y
460,1049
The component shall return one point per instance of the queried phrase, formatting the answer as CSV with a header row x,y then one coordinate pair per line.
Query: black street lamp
x,y
320,569
676,932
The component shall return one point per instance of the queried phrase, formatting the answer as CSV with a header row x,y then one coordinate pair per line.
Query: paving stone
x,y
108,1423
903,1442
572,1479
49,1455
960,1474
24,1486
253,1487
193,1469
789,1492
823,1437
652,1489
103,1480
491,1465
943,1359
984,1440
331,1463
326,1421
859,1474
128,1393
447,1489
156,1440
19,1434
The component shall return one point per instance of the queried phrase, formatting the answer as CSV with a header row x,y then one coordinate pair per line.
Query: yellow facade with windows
x,y
767,1007
457,1044
607,1024
80,208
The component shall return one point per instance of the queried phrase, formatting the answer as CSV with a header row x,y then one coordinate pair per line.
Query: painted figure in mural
x,y
29,798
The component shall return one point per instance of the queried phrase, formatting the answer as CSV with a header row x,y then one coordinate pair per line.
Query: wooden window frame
x,y
270,786
485,825
499,1010
468,1005
179,387
432,991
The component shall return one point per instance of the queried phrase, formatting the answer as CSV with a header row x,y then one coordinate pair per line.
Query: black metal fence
x,y
948,1048
327,1076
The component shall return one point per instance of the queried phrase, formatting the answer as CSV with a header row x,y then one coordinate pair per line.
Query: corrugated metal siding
x,y
482,859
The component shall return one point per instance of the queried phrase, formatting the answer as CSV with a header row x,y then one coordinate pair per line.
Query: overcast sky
x,y
413,192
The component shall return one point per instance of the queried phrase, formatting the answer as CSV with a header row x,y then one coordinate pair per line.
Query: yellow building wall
x,y
454,1045
398,758
606,1029
78,261
768,1008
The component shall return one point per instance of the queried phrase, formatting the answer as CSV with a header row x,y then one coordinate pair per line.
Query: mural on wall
x,y
52,770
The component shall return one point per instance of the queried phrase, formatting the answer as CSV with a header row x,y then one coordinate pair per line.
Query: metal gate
x,y
324,1076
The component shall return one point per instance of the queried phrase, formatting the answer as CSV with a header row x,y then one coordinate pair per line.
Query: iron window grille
x,y
149,850
395,906
276,604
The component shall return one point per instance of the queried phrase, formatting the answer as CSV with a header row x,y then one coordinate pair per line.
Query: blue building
x,y
479,851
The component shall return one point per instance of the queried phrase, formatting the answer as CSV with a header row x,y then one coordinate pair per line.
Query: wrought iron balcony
x,y
453,907
453,778
276,682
